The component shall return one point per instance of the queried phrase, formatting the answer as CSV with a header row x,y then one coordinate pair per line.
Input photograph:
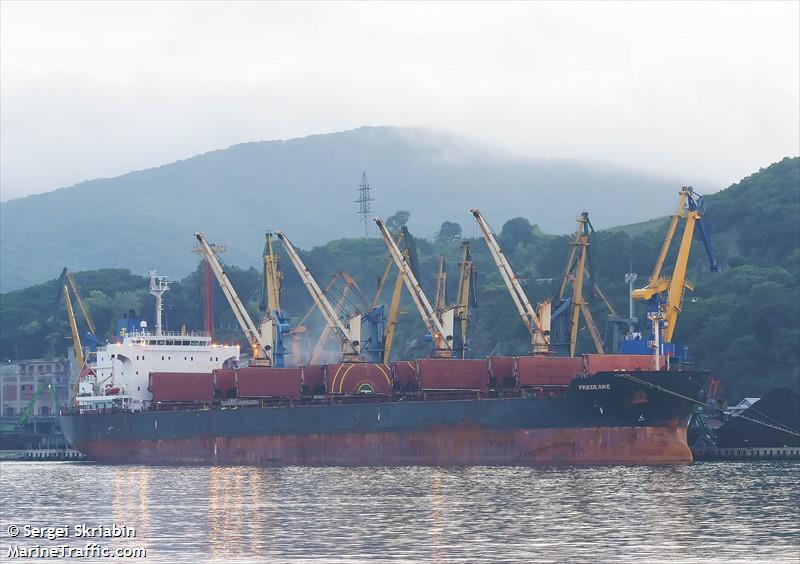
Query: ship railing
x,y
135,334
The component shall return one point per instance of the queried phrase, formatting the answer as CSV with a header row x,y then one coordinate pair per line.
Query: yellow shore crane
x,y
565,335
663,313
537,321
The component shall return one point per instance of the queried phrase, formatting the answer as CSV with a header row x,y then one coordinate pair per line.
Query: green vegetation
x,y
743,323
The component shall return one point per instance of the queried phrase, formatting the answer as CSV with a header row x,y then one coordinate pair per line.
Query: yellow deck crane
x,y
537,322
349,284
261,338
663,313
84,311
406,243
467,274
441,326
441,285
271,300
349,332
80,360
565,329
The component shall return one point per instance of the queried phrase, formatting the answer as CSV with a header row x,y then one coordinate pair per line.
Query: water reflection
x,y
243,514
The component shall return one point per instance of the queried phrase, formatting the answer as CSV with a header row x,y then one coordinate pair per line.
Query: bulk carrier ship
x,y
164,398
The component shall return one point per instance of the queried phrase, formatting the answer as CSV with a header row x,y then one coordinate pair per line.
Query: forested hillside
x,y
233,195
742,322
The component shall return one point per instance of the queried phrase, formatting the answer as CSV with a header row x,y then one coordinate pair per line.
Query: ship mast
x,y
158,285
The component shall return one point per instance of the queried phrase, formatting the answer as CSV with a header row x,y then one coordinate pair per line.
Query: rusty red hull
x,y
432,447
609,418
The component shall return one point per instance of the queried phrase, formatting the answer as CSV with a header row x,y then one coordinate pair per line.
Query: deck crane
x,y
67,278
467,276
262,338
349,285
80,360
348,333
691,208
441,285
565,330
441,326
271,299
537,322
405,242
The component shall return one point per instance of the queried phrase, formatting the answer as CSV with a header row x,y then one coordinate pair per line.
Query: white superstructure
x,y
122,369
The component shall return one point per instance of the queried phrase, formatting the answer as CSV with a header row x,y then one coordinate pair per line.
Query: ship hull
x,y
606,419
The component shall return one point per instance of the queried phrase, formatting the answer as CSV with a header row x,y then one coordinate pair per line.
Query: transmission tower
x,y
364,198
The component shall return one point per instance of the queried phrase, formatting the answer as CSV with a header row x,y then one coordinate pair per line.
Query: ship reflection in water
x,y
188,514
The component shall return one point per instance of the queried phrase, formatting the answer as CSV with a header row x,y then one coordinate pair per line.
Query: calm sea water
x,y
698,512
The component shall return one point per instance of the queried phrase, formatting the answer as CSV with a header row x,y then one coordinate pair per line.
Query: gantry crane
x,y
262,338
442,326
537,322
565,330
664,312
349,333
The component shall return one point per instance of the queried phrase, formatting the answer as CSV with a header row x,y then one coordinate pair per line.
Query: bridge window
x,y
9,412
44,410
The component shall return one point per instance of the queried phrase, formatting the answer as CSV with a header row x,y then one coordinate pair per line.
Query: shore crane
x,y
440,326
565,330
348,333
262,338
664,312
405,242
537,322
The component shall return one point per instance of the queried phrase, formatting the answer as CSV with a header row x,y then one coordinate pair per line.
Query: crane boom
x,y
272,277
349,348
84,311
258,343
691,210
441,285
466,292
73,326
540,336
426,311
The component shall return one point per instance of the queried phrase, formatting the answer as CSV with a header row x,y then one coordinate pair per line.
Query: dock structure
x,y
747,453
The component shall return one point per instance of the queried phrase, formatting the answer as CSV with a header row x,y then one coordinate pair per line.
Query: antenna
x,y
158,285
364,198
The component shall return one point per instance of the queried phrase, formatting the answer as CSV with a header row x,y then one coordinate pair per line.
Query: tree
x,y
517,230
398,220
449,231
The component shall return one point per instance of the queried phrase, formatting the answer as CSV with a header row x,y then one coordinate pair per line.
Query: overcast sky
x,y
701,91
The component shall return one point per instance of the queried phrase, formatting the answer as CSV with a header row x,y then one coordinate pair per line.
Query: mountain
x,y
306,187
